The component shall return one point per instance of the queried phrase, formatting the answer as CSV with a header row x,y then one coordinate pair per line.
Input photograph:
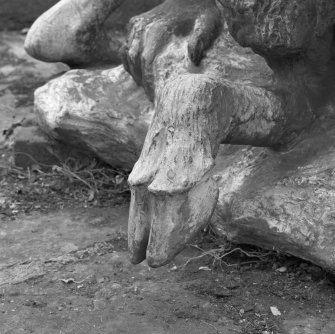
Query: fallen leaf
x,y
205,268
275,311
67,280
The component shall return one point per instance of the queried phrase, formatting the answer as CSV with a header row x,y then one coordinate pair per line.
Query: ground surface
x,y
63,253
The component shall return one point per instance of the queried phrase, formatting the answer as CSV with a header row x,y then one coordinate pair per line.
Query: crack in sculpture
x,y
193,59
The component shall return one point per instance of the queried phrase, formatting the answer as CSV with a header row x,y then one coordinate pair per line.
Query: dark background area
x,y
19,14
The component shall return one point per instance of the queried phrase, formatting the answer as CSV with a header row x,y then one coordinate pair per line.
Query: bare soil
x,y
64,265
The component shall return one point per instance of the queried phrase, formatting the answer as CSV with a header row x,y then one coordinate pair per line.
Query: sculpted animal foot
x,y
173,195
161,225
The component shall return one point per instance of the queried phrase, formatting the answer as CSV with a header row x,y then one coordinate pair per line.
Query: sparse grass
x,y
45,187
220,252
217,255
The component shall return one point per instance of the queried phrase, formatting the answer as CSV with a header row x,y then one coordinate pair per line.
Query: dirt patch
x,y
78,279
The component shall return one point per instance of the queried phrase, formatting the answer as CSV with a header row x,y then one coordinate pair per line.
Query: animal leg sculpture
x,y
173,195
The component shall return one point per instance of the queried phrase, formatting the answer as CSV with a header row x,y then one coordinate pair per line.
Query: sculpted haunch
x,y
256,73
